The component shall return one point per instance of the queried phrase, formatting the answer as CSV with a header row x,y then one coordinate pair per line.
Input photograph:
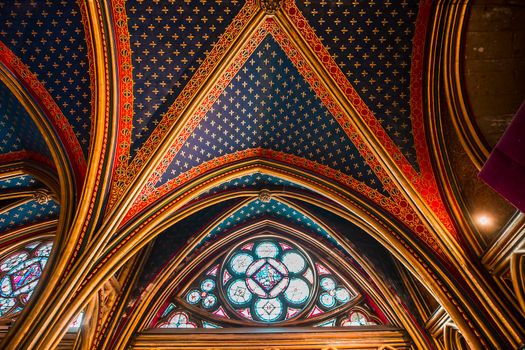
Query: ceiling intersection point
x,y
270,6
265,196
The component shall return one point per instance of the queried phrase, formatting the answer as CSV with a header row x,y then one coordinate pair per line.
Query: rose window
x,y
265,280
268,280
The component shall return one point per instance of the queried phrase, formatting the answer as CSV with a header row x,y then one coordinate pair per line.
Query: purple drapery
x,y
504,171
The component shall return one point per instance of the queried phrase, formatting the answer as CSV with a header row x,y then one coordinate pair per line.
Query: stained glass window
x,y
20,272
359,317
268,280
77,322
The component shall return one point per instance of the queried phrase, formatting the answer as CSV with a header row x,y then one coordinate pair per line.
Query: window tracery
x,y
266,280
20,273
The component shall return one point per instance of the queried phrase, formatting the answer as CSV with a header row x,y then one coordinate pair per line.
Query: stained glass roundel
x,y
269,280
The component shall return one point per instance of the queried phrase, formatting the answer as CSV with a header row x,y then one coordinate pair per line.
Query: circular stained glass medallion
x,y
268,279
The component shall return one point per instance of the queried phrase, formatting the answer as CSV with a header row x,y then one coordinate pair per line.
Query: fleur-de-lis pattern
x,y
371,41
49,38
17,129
169,41
28,213
269,105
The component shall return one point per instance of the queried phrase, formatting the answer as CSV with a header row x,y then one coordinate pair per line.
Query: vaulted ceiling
x,y
153,128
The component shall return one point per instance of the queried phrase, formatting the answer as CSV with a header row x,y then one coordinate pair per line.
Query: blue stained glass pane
x,y
13,261
329,323
240,262
268,310
44,250
238,293
193,297
327,284
209,301
267,277
327,300
356,319
208,285
77,322
206,324
26,275
342,295
19,275
170,307
178,320
6,304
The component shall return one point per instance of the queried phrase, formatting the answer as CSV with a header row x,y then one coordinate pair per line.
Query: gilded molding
x,y
322,339
41,172
26,234
517,272
38,328
452,36
270,6
446,20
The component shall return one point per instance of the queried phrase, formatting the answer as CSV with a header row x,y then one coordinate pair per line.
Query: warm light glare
x,y
484,220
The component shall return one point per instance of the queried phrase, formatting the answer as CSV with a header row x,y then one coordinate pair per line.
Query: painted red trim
x,y
46,103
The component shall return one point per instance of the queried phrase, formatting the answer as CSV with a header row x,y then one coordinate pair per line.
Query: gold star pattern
x,y
49,38
371,41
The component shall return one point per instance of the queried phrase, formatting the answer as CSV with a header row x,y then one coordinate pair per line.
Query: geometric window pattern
x,y
20,272
357,316
267,280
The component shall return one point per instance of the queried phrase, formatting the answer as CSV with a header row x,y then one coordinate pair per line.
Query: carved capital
x,y
270,6
42,196
265,196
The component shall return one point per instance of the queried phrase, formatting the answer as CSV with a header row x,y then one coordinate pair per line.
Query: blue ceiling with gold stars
x,y
169,41
269,105
15,213
371,41
48,36
17,130
28,213
17,182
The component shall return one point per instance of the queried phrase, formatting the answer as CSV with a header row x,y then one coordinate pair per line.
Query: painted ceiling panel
x,y
17,129
269,105
169,242
49,38
28,213
275,209
253,181
371,41
19,182
169,41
